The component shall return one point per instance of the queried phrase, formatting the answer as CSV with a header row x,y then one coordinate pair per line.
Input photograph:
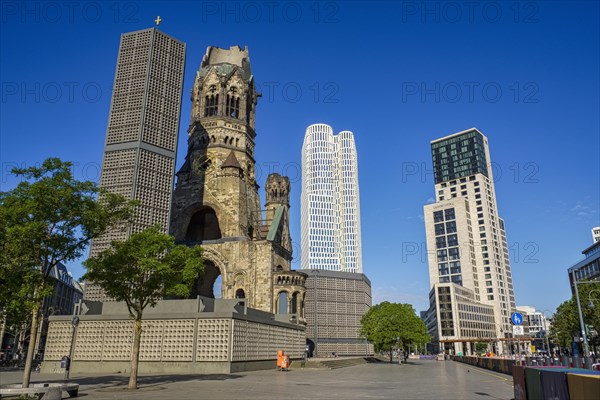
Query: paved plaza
x,y
417,380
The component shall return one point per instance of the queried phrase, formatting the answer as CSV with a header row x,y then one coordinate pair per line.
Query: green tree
x,y
565,322
141,271
388,325
48,218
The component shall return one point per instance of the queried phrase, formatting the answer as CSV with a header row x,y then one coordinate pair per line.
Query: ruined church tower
x,y
216,202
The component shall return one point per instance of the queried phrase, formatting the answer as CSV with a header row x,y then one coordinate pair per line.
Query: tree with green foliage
x,y
393,325
565,322
141,271
48,218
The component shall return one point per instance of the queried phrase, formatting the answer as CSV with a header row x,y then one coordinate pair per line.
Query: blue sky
x,y
397,74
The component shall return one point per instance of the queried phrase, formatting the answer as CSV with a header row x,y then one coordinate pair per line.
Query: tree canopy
x,y
48,218
565,322
141,271
388,325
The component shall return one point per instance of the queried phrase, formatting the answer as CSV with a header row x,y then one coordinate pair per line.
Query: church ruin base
x,y
202,336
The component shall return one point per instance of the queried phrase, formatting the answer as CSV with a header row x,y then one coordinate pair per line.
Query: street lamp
x,y
586,346
545,324
592,305
74,322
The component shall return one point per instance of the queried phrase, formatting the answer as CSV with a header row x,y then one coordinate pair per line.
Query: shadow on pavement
x,y
150,380
106,381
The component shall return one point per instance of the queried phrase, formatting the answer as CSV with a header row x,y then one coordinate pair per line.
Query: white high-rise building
x,y
466,245
330,210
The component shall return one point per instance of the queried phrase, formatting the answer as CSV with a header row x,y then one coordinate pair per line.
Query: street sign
x,y
516,318
518,330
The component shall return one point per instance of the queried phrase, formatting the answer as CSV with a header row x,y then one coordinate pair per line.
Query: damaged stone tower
x,y
216,202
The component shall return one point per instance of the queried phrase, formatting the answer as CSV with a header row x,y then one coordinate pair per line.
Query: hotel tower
x,y
472,297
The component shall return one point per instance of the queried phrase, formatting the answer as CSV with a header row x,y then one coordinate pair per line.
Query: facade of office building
x,y
455,317
142,134
466,238
537,323
330,205
67,292
596,234
334,304
587,269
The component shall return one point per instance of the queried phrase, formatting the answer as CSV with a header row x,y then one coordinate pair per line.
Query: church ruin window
x,y
211,105
232,106
239,294
282,303
294,305
204,225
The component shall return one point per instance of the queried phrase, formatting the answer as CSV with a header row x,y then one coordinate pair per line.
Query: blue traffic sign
x,y
516,318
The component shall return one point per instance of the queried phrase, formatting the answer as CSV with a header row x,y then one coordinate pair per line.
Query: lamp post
x,y
74,322
546,330
586,346
592,305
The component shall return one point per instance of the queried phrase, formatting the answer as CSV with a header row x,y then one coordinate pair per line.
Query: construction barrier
x,y
555,382
501,365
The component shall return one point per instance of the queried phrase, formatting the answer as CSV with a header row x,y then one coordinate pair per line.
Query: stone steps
x,y
336,363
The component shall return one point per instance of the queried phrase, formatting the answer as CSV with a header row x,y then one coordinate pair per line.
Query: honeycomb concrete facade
x,y
335,303
202,336
143,128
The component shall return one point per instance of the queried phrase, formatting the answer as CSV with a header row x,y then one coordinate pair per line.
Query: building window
x,y
211,105
232,107
439,229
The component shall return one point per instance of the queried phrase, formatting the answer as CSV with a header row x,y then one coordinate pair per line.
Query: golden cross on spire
x,y
158,20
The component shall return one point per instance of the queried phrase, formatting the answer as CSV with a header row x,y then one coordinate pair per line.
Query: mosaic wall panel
x,y
213,340
58,343
151,342
178,340
89,340
118,341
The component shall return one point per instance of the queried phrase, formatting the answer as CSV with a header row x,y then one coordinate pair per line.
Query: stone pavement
x,y
420,379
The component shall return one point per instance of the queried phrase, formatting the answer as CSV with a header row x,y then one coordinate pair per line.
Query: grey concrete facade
x,y
178,336
142,133
335,303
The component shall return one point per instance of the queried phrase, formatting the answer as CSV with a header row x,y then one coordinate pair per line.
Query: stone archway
x,y
203,225
205,286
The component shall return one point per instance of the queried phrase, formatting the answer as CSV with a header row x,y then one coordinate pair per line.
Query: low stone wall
x,y
501,365
201,342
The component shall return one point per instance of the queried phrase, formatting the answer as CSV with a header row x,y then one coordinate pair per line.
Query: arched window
x,y
232,106
282,303
294,308
211,105
239,294
204,225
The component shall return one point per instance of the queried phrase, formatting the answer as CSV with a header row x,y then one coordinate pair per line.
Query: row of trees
x,y
50,218
565,323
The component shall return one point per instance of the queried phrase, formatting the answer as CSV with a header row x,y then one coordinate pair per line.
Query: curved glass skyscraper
x,y
330,209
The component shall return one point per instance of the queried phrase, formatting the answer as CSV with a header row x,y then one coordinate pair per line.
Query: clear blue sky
x,y
397,74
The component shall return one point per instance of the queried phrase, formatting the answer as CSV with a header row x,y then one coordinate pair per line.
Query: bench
x,y
43,391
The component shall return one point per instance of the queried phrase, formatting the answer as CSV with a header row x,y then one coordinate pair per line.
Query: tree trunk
x,y
136,353
35,320
391,360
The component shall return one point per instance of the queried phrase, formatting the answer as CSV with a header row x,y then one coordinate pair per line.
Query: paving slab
x,y
418,379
